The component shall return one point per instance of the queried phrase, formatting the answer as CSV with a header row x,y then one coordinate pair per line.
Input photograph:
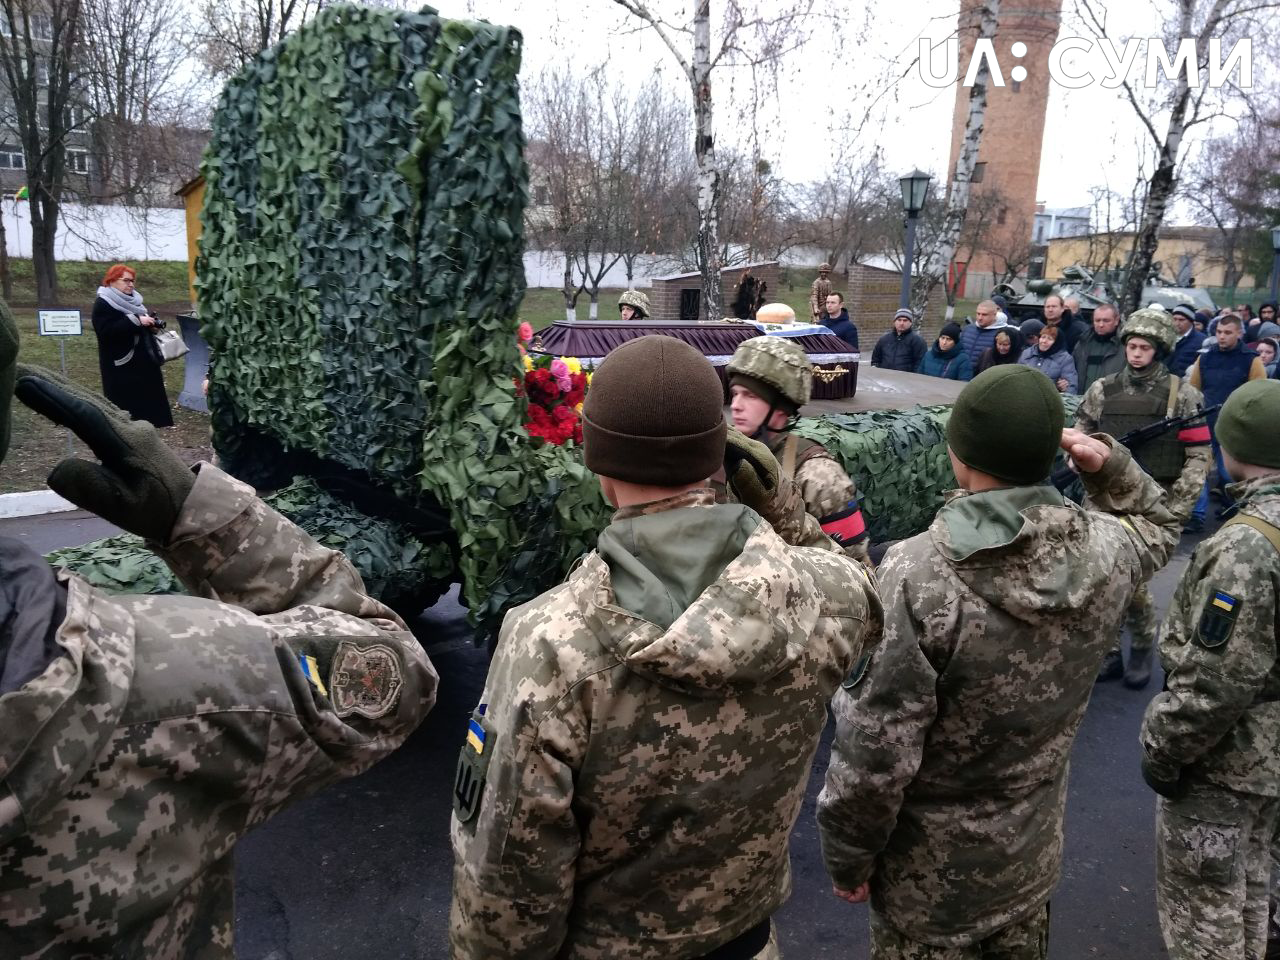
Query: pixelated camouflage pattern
x,y
777,361
1183,492
948,770
172,725
827,489
646,780
1219,717
1141,619
1026,940
818,293
1155,326
1212,872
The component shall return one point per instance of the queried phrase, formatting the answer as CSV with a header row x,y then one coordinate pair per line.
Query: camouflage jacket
x,y
171,725
1219,716
647,729
1184,491
949,767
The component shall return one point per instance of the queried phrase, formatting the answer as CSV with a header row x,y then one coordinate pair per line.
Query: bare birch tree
x,y
749,34
233,32
985,21
1169,113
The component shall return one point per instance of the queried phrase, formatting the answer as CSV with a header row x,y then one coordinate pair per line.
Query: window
x,y
11,159
78,161
979,172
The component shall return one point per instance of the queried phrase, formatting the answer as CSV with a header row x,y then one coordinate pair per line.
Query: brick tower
x,y
1003,197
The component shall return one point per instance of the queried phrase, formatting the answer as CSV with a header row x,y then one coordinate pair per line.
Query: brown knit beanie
x,y
654,414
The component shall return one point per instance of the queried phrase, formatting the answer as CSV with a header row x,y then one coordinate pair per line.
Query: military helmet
x,y
636,301
1153,325
824,268
777,362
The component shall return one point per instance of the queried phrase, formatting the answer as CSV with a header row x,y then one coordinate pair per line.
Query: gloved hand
x,y
140,485
1162,779
751,470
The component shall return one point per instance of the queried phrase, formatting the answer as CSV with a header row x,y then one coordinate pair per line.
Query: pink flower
x,y
565,384
525,332
559,369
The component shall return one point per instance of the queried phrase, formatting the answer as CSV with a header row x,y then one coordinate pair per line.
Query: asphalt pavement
x,y
363,868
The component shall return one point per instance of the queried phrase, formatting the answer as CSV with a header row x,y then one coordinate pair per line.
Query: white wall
x,y
101,232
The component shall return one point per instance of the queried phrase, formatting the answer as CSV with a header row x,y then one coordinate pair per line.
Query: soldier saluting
x,y
770,379
1145,392
1211,740
143,736
948,779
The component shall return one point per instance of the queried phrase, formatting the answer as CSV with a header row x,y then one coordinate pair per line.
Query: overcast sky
x,y
1092,136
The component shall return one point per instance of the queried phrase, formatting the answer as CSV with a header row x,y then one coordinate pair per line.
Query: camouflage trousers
x,y
1026,940
1213,870
1141,620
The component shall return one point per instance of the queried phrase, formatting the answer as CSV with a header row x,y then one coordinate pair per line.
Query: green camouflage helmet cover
x,y
777,361
636,300
1153,325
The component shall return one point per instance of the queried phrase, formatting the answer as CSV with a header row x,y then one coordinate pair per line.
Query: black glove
x,y
140,485
752,471
1161,779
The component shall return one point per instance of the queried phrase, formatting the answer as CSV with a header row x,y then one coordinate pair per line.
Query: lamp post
x,y
1275,262
915,185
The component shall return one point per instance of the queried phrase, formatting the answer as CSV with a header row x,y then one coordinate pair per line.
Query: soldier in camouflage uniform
x,y
819,292
944,798
143,735
1145,392
770,379
1211,741
640,753
633,305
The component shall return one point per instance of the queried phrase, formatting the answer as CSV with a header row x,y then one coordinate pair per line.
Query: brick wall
x,y
665,292
872,299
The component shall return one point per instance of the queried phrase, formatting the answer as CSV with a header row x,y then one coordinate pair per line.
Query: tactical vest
x,y
1162,457
792,451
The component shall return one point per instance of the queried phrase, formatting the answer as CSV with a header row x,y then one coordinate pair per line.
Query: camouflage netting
x,y
394,564
359,275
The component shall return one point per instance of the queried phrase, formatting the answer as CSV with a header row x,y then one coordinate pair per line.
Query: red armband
x,y
1194,435
847,526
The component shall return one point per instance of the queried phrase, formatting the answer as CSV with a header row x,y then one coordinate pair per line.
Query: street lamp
x,y
1275,262
915,186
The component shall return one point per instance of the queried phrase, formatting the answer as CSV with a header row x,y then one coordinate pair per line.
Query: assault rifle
x,y
1064,476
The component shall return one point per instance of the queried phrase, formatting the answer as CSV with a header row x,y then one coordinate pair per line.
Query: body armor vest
x,y
1162,457
792,451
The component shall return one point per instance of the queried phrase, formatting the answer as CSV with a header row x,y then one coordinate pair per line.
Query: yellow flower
x,y
573,363
578,408
589,375
528,362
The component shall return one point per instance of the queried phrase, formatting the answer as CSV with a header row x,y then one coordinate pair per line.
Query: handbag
x,y
171,345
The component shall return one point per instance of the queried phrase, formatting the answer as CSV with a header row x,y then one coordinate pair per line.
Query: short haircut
x,y
1107,306
1232,319
989,305
837,294
1049,331
1058,295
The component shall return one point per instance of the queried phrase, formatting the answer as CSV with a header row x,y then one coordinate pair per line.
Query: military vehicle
x,y
1094,289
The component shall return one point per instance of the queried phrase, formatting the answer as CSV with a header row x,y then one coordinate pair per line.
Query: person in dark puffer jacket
x,y
901,348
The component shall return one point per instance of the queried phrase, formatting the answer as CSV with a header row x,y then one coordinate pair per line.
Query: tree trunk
x,y
570,298
6,277
708,173
1159,192
44,231
962,176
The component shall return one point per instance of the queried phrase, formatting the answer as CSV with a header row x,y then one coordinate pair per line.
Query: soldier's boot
x,y
1112,667
1137,673
1143,626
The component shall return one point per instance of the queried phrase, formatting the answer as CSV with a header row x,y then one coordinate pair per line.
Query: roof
x,y
190,186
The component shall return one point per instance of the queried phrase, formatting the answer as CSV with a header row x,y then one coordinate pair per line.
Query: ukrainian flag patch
x,y
473,766
311,670
1218,619
476,736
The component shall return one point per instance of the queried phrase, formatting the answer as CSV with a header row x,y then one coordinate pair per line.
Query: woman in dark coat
x,y
1006,349
131,378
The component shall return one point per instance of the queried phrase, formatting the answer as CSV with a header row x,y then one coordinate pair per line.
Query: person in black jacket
x,y
901,348
836,317
131,377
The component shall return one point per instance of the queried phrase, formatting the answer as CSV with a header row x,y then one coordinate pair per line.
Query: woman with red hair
x,y
131,377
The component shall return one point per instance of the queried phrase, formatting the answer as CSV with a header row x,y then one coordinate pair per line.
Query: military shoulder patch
x,y
1218,619
364,679
473,765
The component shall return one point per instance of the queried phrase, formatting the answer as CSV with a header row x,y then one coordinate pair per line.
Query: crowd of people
x,y
631,775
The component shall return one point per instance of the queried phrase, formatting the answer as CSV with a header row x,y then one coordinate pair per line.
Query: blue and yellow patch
x,y
1218,619
311,670
473,765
